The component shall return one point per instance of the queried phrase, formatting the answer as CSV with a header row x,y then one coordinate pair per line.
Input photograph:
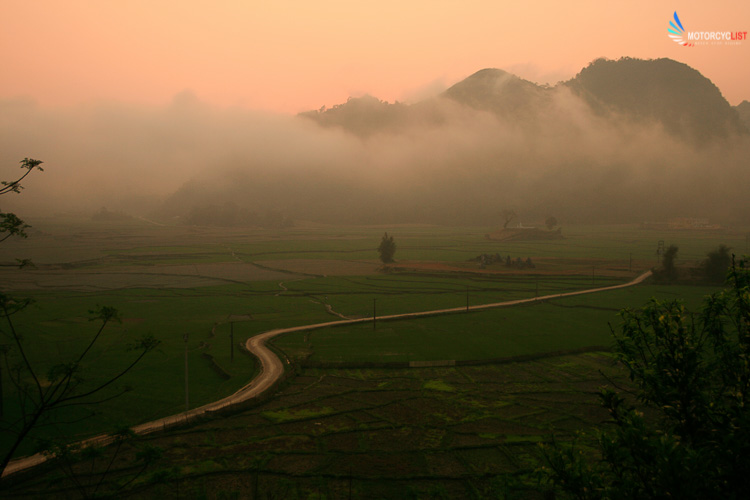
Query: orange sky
x,y
291,55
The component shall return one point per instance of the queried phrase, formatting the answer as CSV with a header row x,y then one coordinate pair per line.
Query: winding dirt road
x,y
272,368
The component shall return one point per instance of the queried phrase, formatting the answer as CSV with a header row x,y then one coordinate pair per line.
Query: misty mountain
x,y
685,102
489,90
363,116
743,110
661,91
623,141
501,93
598,148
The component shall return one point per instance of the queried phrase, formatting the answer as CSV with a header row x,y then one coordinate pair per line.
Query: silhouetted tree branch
x,y
508,216
38,397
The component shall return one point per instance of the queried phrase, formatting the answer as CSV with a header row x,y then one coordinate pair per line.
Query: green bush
x,y
692,379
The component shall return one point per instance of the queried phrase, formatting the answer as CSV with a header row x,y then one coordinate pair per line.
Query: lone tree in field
x,y
39,393
387,249
551,222
692,373
669,271
508,216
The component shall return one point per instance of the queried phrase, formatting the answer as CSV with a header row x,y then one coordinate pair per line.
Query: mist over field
x,y
489,143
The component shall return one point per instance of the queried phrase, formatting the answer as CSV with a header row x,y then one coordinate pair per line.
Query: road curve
x,y
272,368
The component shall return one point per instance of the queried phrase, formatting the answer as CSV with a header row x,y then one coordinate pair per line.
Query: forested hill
x,y
685,102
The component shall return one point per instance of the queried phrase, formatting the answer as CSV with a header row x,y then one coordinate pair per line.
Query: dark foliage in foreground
x,y
692,379
716,264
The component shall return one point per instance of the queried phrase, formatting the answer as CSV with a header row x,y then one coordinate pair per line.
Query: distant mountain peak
x,y
743,110
687,103
488,74
496,90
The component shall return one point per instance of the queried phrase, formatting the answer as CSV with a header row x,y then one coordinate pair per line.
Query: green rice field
x,y
174,281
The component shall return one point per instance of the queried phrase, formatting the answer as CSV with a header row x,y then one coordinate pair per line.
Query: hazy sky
x,y
291,56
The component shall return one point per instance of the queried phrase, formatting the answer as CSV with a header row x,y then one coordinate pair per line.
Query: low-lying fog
x,y
465,166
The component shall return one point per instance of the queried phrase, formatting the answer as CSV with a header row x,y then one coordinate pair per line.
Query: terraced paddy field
x,y
459,432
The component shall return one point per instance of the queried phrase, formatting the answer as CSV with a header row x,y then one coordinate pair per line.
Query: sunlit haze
x,y
166,108
374,248
293,56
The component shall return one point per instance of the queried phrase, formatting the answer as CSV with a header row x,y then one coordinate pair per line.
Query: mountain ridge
x,y
686,103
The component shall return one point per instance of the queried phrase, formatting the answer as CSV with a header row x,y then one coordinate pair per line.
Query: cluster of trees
x,y
716,264
487,259
519,263
712,269
684,430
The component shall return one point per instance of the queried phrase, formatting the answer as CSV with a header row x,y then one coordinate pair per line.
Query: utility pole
x,y
231,341
187,401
